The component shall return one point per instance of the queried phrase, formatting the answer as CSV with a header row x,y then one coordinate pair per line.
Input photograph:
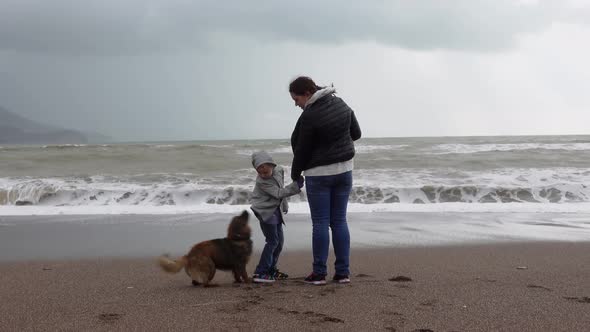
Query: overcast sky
x,y
188,69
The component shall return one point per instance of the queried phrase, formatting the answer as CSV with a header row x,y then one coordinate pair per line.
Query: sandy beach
x,y
67,237
498,287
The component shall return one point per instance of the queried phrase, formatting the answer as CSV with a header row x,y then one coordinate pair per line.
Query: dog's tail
x,y
172,265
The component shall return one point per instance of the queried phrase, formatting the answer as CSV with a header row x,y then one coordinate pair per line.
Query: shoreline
x,y
297,208
73,237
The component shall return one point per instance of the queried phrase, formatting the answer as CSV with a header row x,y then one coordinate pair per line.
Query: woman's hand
x,y
300,182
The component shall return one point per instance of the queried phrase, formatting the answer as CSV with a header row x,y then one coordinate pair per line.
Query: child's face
x,y
265,170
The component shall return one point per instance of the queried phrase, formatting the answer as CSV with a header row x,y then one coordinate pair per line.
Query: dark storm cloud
x,y
137,27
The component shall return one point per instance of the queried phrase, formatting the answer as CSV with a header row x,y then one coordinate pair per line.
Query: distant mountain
x,y
15,129
94,137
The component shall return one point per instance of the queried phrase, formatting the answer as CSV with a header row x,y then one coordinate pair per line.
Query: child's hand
x,y
300,182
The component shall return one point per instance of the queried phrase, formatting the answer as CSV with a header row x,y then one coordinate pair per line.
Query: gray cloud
x,y
138,27
180,70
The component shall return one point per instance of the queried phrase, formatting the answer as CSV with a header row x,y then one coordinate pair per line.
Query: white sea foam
x,y
297,208
378,148
61,146
163,146
501,177
372,186
474,148
363,149
279,150
217,146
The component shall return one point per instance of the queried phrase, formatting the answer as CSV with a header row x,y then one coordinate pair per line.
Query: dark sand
x,y
499,287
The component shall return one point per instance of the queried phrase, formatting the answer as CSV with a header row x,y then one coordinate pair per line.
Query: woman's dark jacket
x,y
323,135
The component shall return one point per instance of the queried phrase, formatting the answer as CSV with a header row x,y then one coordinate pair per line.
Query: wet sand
x,y
79,236
497,287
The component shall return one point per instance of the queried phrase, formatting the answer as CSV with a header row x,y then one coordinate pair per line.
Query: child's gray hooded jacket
x,y
269,194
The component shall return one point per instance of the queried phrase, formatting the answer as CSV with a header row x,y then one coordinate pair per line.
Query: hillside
x,y
16,129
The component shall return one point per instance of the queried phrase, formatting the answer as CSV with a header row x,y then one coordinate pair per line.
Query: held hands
x,y
300,182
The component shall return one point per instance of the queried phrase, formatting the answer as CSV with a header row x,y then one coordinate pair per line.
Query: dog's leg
x,y
237,276
201,270
209,269
198,277
243,273
212,270
211,274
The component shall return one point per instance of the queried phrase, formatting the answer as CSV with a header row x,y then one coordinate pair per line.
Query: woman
x,y
323,148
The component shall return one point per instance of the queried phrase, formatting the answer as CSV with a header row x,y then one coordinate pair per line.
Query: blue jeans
x,y
273,233
328,199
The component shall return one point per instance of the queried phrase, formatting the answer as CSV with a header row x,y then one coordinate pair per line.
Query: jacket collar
x,y
319,94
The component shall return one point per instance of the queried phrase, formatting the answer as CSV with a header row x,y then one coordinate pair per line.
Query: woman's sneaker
x,y
315,279
263,278
341,279
280,275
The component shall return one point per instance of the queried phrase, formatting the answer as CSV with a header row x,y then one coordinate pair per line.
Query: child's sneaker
x,y
341,279
263,278
315,279
280,275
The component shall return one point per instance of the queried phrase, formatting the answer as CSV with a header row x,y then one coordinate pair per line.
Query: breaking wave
x,y
542,187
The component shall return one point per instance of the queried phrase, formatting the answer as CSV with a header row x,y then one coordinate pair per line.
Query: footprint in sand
x,y
316,316
285,311
332,319
362,275
430,303
584,299
254,297
366,278
109,317
539,287
400,279
313,316
327,291
242,306
393,319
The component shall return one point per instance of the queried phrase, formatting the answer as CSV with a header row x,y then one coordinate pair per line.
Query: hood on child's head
x,y
261,157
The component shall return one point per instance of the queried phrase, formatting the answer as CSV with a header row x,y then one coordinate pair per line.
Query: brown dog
x,y
229,254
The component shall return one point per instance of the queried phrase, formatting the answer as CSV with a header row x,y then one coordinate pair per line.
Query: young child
x,y
269,204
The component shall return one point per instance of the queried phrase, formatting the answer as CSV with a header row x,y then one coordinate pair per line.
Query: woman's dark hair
x,y
303,84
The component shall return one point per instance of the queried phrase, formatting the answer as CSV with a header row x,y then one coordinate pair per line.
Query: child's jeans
x,y
269,258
